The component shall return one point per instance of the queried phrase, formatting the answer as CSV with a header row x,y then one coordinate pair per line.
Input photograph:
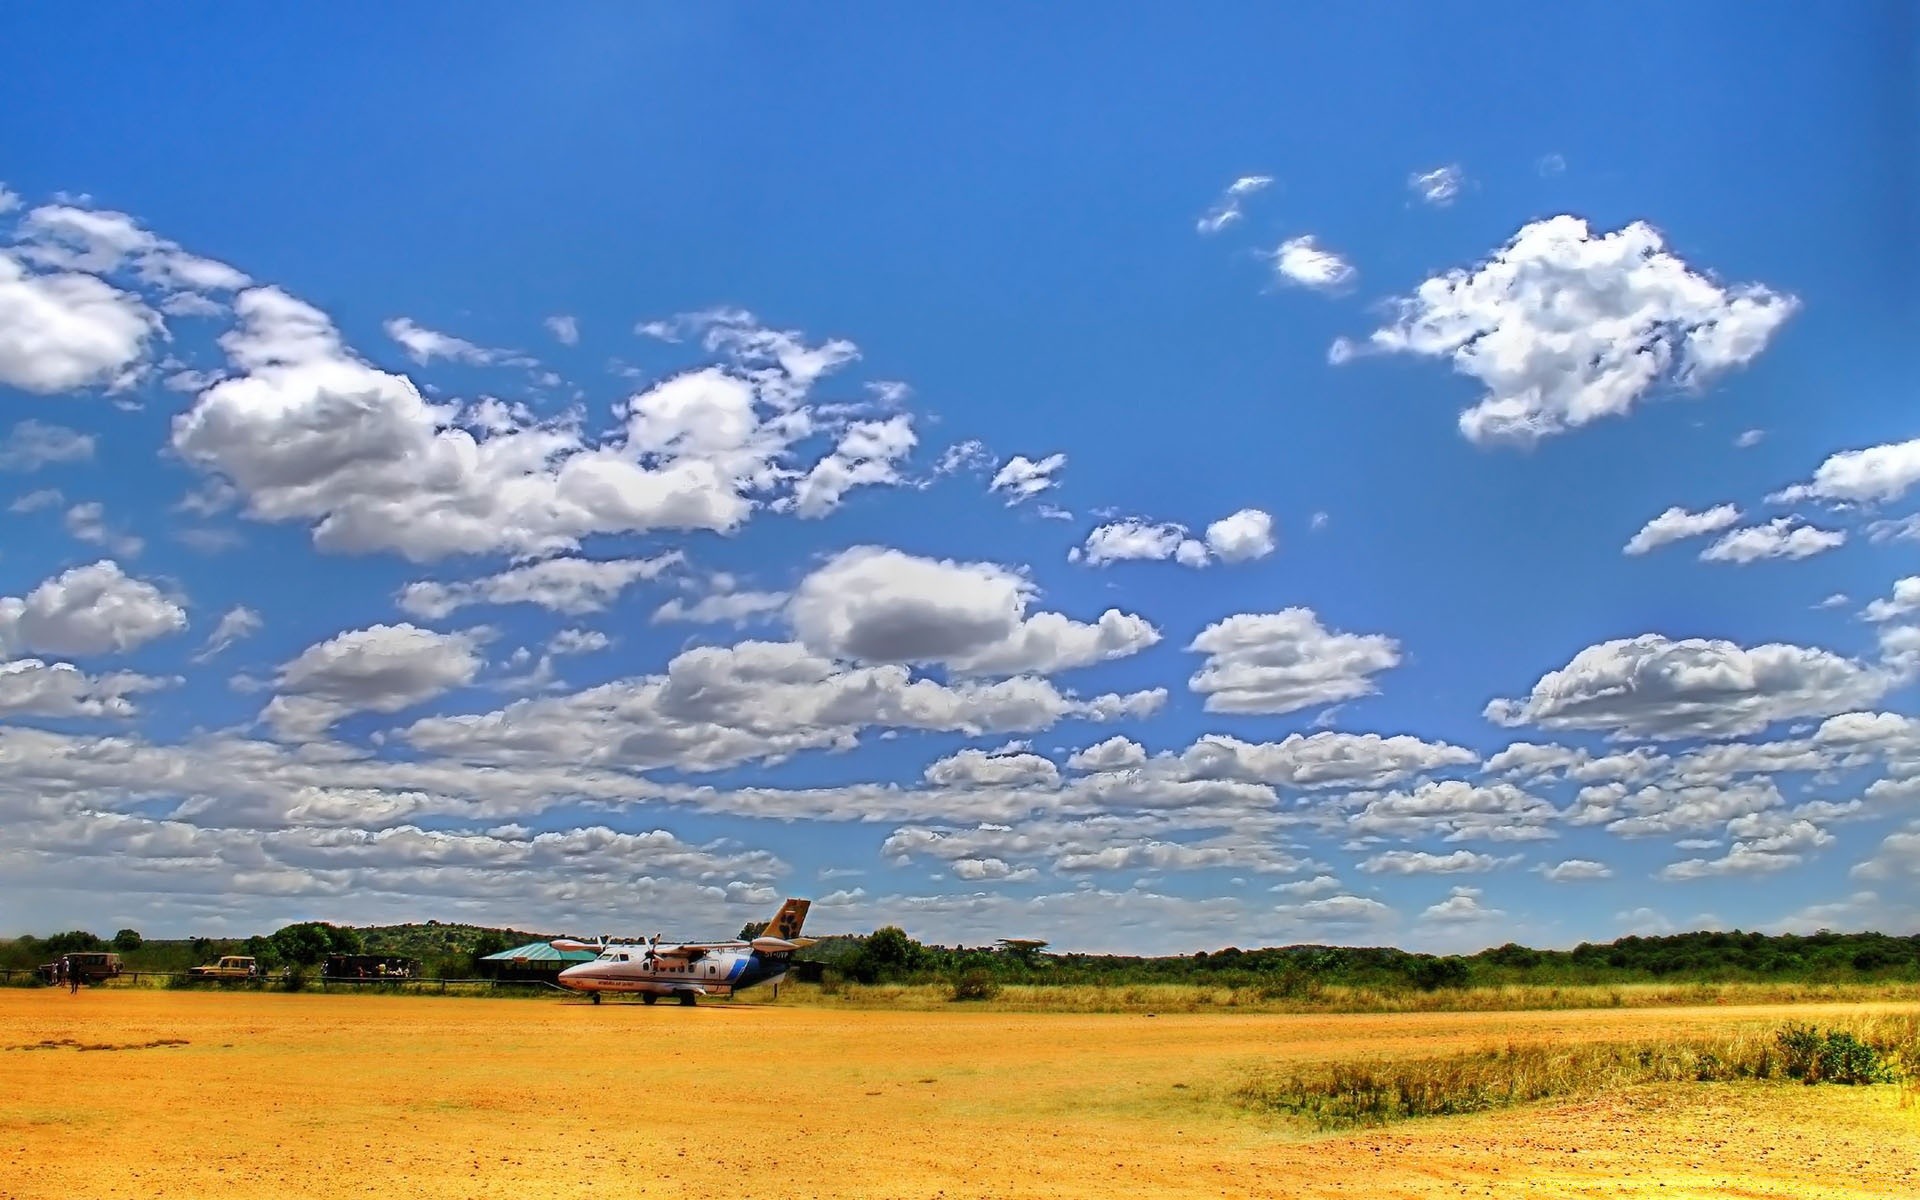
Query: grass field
x,y
248,1094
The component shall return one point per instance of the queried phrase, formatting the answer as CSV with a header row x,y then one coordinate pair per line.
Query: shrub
x,y
975,984
294,979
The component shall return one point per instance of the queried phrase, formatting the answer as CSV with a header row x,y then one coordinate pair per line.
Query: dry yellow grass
x,y
275,1095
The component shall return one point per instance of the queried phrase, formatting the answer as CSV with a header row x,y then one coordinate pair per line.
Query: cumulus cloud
x,y
1904,601
1137,540
1317,760
1875,475
1301,261
96,609
1021,479
1677,523
723,605
1461,906
1229,207
1656,687
1459,810
870,604
309,432
1563,327
1785,847
383,668
868,455
1439,187
977,768
1420,862
30,687
719,706
1785,537
1114,754
574,586
565,329
61,331
1285,661
1575,870
35,444
1245,535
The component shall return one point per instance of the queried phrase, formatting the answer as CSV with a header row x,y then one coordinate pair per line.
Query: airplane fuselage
x,y
668,971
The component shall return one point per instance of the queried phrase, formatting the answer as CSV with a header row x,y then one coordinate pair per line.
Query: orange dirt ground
x,y
329,1095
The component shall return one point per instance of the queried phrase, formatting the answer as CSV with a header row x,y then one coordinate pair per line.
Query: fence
x,y
13,976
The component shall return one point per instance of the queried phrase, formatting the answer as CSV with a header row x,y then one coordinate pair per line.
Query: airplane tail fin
x,y
786,923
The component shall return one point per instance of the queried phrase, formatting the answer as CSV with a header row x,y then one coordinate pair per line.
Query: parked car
x,y
230,966
91,966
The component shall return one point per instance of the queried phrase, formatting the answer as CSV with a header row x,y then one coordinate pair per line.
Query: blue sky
x,y
1141,484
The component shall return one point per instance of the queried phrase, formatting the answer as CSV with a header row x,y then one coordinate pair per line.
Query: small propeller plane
x,y
689,970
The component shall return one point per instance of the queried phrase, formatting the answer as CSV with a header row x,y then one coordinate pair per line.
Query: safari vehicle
x,y
230,966
93,966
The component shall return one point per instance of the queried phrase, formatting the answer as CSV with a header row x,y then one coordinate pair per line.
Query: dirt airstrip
x,y
249,1095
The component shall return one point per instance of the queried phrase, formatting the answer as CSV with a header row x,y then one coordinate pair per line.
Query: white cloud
x,y
1750,438
1575,870
1874,475
1299,260
1022,479
723,606
1318,760
95,609
1459,810
1114,754
867,456
1783,848
574,586
32,688
37,501
1903,529
875,605
1439,187
977,768
578,641
1228,208
9,199
88,523
35,444
1653,686
1564,328
311,433
1461,906
99,241
720,706
565,329
1904,601
383,668
1677,523
1137,540
1420,862
1319,885
969,455
1337,911
1241,537
239,622
425,345
1284,661
63,331
1783,537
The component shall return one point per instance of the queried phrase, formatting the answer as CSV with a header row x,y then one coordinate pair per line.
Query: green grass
x,y
1871,1050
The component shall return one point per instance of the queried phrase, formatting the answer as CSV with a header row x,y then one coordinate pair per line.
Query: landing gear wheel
x,y
596,996
687,999
649,999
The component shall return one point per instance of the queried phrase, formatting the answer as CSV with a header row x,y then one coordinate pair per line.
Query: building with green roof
x,y
535,960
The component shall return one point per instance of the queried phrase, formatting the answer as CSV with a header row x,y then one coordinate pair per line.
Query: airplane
x,y
689,970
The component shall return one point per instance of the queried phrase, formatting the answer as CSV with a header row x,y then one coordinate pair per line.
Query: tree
x,y
128,939
74,941
752,930
891,952
308,942
490,941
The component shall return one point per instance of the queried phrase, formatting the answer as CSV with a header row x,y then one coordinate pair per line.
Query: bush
x,y
976,984
294,979
128,940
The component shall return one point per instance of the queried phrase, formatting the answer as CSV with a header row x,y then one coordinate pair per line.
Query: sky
x,y
1142,483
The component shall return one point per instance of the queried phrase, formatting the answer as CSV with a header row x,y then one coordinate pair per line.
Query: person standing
x,y
73,978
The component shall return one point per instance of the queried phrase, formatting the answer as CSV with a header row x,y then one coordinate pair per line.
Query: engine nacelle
x,y
773,945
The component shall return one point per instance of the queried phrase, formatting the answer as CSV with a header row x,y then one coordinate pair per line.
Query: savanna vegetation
x,y
889,967
1374,1091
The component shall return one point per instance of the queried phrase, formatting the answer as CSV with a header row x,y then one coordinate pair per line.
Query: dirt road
x,y
275,1095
